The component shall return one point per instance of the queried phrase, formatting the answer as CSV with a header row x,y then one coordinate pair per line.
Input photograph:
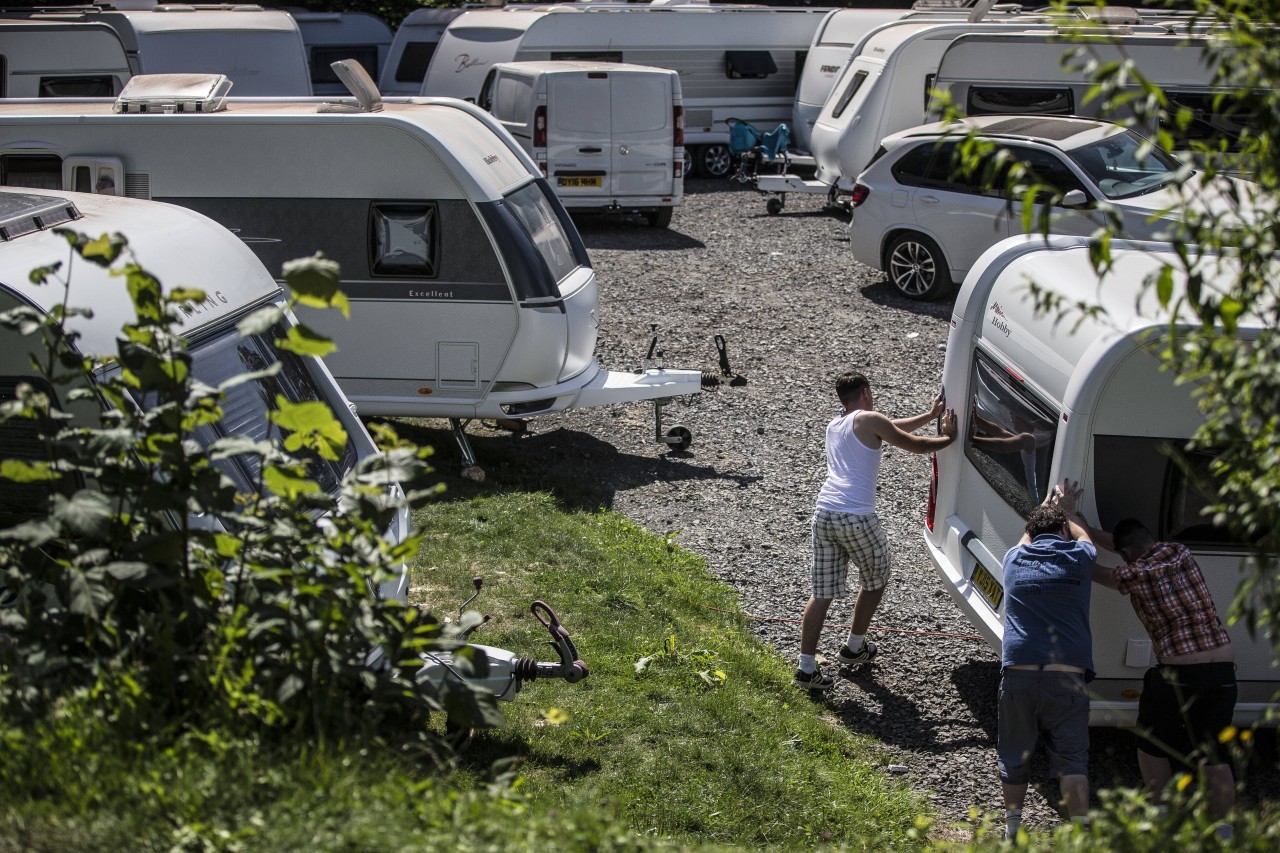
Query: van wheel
x,y
660,218
916,268
714,161
688,164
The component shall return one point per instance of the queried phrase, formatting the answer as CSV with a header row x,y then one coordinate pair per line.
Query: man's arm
x,y
914,423
1105,576
889,432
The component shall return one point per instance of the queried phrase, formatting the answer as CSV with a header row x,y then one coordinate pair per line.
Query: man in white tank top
x,y
845,526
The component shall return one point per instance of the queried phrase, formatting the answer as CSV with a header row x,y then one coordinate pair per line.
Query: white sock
x,y
1012,819
808,663
855,641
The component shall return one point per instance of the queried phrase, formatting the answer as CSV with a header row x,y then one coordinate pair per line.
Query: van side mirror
x,y
1075,198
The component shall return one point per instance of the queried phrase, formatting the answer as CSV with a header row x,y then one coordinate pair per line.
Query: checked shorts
x,y
840,538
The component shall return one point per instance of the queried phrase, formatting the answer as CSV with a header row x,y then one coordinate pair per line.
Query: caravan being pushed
x,y
1041,398
471,292
182,250
608,136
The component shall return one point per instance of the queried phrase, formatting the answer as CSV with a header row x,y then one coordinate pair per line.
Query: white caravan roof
x,y
180,247
1060,355
486,162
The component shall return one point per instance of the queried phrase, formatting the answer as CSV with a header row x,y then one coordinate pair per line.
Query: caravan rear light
x,y
932,507
540,127
860,193
678,116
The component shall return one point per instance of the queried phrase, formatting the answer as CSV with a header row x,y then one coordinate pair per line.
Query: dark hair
x,y
849,386
1045,519
1131,533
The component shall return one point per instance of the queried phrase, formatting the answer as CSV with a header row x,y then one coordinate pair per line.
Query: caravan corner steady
x,y
471,292
1039,398
183,250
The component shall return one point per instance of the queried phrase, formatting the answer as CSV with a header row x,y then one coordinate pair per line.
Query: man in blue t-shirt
x,y
1047,656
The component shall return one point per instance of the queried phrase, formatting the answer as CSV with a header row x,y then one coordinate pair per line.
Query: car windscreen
x,y
1125,165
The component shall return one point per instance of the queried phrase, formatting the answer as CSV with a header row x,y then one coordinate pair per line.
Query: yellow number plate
x,y
580,182
988,586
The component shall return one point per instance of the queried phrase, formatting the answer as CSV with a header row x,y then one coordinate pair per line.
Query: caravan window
x,y
588,55
246,407
538,218
322,59
414,60
988,100
78,86
1011,435
855,83
756,64
405,240
1214,117
20,439
37,171
539,245
1136,477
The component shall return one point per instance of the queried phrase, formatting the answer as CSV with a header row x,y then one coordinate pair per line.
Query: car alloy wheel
x,y
916,268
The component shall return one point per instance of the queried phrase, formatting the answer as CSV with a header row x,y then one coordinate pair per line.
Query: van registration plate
x,y
592,181
988,586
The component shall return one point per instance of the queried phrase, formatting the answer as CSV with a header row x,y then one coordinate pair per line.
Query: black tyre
x,y
916,267
688,164
714,161
774,206
660,218
679,438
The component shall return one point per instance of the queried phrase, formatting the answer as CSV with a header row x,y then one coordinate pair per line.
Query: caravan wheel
x,y
714,161
916,267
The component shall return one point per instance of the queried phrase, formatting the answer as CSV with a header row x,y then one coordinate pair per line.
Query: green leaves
x,y
315,283
311,425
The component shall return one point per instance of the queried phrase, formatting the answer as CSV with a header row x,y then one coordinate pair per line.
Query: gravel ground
x,y
795,311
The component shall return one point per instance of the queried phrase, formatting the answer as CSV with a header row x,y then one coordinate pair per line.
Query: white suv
x,y
919,218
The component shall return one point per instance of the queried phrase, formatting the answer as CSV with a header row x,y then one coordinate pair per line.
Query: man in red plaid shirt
x,y
1189,697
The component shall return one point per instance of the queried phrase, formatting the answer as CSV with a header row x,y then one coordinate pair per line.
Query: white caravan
x,y
1178,63
887,86
331,36
471,292
608,136
61,59
832,48
735,62
1041,397
411,50
183,250
259,49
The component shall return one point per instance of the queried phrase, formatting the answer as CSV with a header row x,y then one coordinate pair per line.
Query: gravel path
x,y
795,311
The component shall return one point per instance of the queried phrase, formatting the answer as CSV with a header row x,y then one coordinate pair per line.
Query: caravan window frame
x,y
1039,420
859,78
381,250
1020,108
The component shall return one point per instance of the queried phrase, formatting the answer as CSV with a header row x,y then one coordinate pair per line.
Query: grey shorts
x,y
840,538
1054,705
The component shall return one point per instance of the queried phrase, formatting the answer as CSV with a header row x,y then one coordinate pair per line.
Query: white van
x,y
608,136
412,47
735,62
259,50
471,292
61,59
1039,398
331,36
182,249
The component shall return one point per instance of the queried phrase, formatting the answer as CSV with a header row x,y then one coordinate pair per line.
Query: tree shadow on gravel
x,y
581,471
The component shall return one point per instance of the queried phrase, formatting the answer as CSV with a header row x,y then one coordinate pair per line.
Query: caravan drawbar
x,y
471,293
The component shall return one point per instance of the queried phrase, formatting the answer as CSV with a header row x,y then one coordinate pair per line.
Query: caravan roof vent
x,y
25,213
173,93
359,84
1114,15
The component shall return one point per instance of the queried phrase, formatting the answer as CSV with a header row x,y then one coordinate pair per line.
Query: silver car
x,y
924,221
